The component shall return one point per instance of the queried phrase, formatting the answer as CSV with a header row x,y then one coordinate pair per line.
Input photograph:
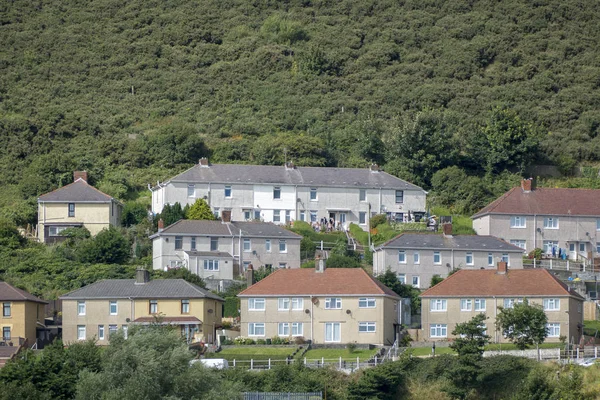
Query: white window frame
x,y
506,258
551,223
193,243
314,196
333,303
247,245
256,304
399,196
468,256
276,215
185,306
283,329
313,215
401,257
178,242
402,278
416,258
367,302
191,193
71,209
228,189
438,330
211,265
282,265
362,217
297,329
331,328
253,327
547,246
282,246
362,194
480,305
276,192
510,302
81,307
490,259
438,305
297,304
110,307
552,304
214,243
100,332
416,283
518,222
112,328
519,243
303,215
466,304
153,306
598,224
438,255
553,329
283,304
268,245
367,327
81,332
247,214
288,216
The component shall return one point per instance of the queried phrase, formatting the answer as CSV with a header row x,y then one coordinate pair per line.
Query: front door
x,y
342,218
572,251
332,216
582,249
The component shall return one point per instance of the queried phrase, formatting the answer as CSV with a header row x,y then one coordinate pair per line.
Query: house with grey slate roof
x,y
222,250
281,194
416,258
76,205
101,309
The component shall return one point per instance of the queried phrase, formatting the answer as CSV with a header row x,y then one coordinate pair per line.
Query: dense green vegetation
x,y
136,92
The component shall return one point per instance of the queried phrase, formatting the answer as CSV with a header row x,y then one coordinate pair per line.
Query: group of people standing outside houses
x,y
327,225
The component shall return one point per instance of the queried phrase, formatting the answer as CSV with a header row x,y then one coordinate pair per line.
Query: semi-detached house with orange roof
x,y
467,293
545,218
321,305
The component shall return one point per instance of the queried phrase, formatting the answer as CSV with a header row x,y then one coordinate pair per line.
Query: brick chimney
x,y
447,230
374,167
161,225
526,184
250,276
80,175
142,276
226,216
502,268
290,165
203,162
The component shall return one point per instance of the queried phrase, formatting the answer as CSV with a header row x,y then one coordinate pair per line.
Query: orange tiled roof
x,y
488,283
305,281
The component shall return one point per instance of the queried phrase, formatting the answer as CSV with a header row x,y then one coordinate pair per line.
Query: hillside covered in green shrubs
x,y
134,92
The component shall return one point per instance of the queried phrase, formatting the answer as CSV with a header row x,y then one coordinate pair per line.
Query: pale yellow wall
x,y
383,315
23,319
568,316
94,216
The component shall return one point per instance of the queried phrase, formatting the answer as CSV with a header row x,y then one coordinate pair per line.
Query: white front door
x,y
582,249
572,251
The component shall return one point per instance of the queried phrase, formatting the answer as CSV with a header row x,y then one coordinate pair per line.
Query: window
x,y
598,224
80,332
175,264
6,333
582,247
438,330
333,303
366,326
282,246
112,329
216,212
551,304
402,256
247,245
490,259
178,242
6,312
438,305
125,331
276,215
399,196
362,195
518,222
246,265
283,329
288,216
313,194
100,332
282,265
227,192
551,223
153,306
509,303
257,215
437,258
193,243
416,257
185,306
548,245
416,281
277,192
211,265
479,304
366,302
469,259
55,230
113,308
256,304
71,209
268,245
297,303
81,307
506,258
256,329
553,329
402,278
597,247
518,242
362,218
313,216
466,305
283,304
297,329
247,214
191,191
333,332
214,243
302,215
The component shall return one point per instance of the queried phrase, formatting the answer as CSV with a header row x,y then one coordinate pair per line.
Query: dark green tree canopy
x,y
524,324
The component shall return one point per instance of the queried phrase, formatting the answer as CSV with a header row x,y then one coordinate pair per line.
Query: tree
x,y
170,214
133,214
524,324
180,273
389,279
470,337
435,279
10,236
200,210
108,246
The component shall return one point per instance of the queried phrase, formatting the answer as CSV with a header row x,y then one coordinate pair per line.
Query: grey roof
x,y
127,288
78,191
11,293
217,254
455,242
302,176
218,228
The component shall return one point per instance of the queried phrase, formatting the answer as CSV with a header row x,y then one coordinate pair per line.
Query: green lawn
x,y
426,351
313,354
590,327
247,353
461,224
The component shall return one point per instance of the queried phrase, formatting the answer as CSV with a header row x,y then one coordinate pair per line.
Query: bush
x,y
377,220
280,340
241,340
261,341
535,254
337,261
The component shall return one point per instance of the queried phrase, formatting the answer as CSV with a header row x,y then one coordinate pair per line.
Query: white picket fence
x,y
341,363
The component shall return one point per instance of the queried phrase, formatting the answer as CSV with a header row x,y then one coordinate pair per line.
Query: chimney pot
x,y
80,175
203,162
502,267
161,225
142,276
290,165
447,230
374,167
226,216
526,184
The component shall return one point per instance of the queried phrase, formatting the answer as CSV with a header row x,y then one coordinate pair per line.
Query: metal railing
x,y
341,363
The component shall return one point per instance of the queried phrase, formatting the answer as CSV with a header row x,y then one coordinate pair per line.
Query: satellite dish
x,y
307,311
348,312
315,301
